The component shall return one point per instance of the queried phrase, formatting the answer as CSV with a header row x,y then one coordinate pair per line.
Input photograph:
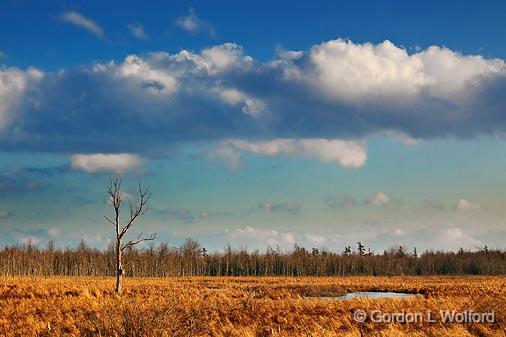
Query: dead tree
x,y
361,248
115,198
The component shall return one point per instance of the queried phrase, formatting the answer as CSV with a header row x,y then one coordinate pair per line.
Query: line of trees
x,y
193,260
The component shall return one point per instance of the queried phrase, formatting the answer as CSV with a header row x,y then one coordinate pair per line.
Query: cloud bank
x,y
320,103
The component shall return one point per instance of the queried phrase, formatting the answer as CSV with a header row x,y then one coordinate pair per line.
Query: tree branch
x,y
112,222
138,210
139,239
114,192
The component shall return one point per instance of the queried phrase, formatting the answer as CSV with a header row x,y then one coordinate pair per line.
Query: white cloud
x,y
379,199
451,74
250,106
256,238
454,238
193,24
118,163
347,153
224,57
137,30
304,104
155,80
352,72
361,73
466,205
83,22
13,84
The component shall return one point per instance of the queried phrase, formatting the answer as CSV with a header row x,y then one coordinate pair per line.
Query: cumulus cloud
x,y
379,199
250,106
83,22
321,103
119,163
154,80
225,57
361,72
137,31
465,205
193,24
291,207
13,84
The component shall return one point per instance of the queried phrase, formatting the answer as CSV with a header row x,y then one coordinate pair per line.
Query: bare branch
x,y
114,192
109,220
139,239
135,211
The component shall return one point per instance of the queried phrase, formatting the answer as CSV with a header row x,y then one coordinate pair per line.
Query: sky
x,y
317,123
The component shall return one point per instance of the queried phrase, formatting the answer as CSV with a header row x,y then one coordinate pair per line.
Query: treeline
x,y
192,260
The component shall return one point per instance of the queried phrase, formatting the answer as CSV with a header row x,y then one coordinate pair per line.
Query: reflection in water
x,y
369,295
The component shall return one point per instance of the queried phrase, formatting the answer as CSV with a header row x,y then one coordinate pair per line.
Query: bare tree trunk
x,y
119,268
114,193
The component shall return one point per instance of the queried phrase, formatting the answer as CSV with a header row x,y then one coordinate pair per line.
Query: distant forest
x,y
193,260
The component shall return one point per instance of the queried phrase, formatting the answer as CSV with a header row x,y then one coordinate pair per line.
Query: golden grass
x,y
246,306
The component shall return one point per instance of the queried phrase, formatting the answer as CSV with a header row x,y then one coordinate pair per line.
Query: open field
x,y
253,306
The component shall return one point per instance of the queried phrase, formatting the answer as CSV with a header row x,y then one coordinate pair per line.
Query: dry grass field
x,y
204,306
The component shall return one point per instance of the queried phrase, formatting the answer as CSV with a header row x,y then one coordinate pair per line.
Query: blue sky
x,y
317,123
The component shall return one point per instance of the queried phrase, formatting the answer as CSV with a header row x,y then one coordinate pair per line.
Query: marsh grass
x,y
250,306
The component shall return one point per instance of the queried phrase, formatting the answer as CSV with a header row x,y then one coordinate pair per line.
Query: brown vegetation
x,y
243,306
